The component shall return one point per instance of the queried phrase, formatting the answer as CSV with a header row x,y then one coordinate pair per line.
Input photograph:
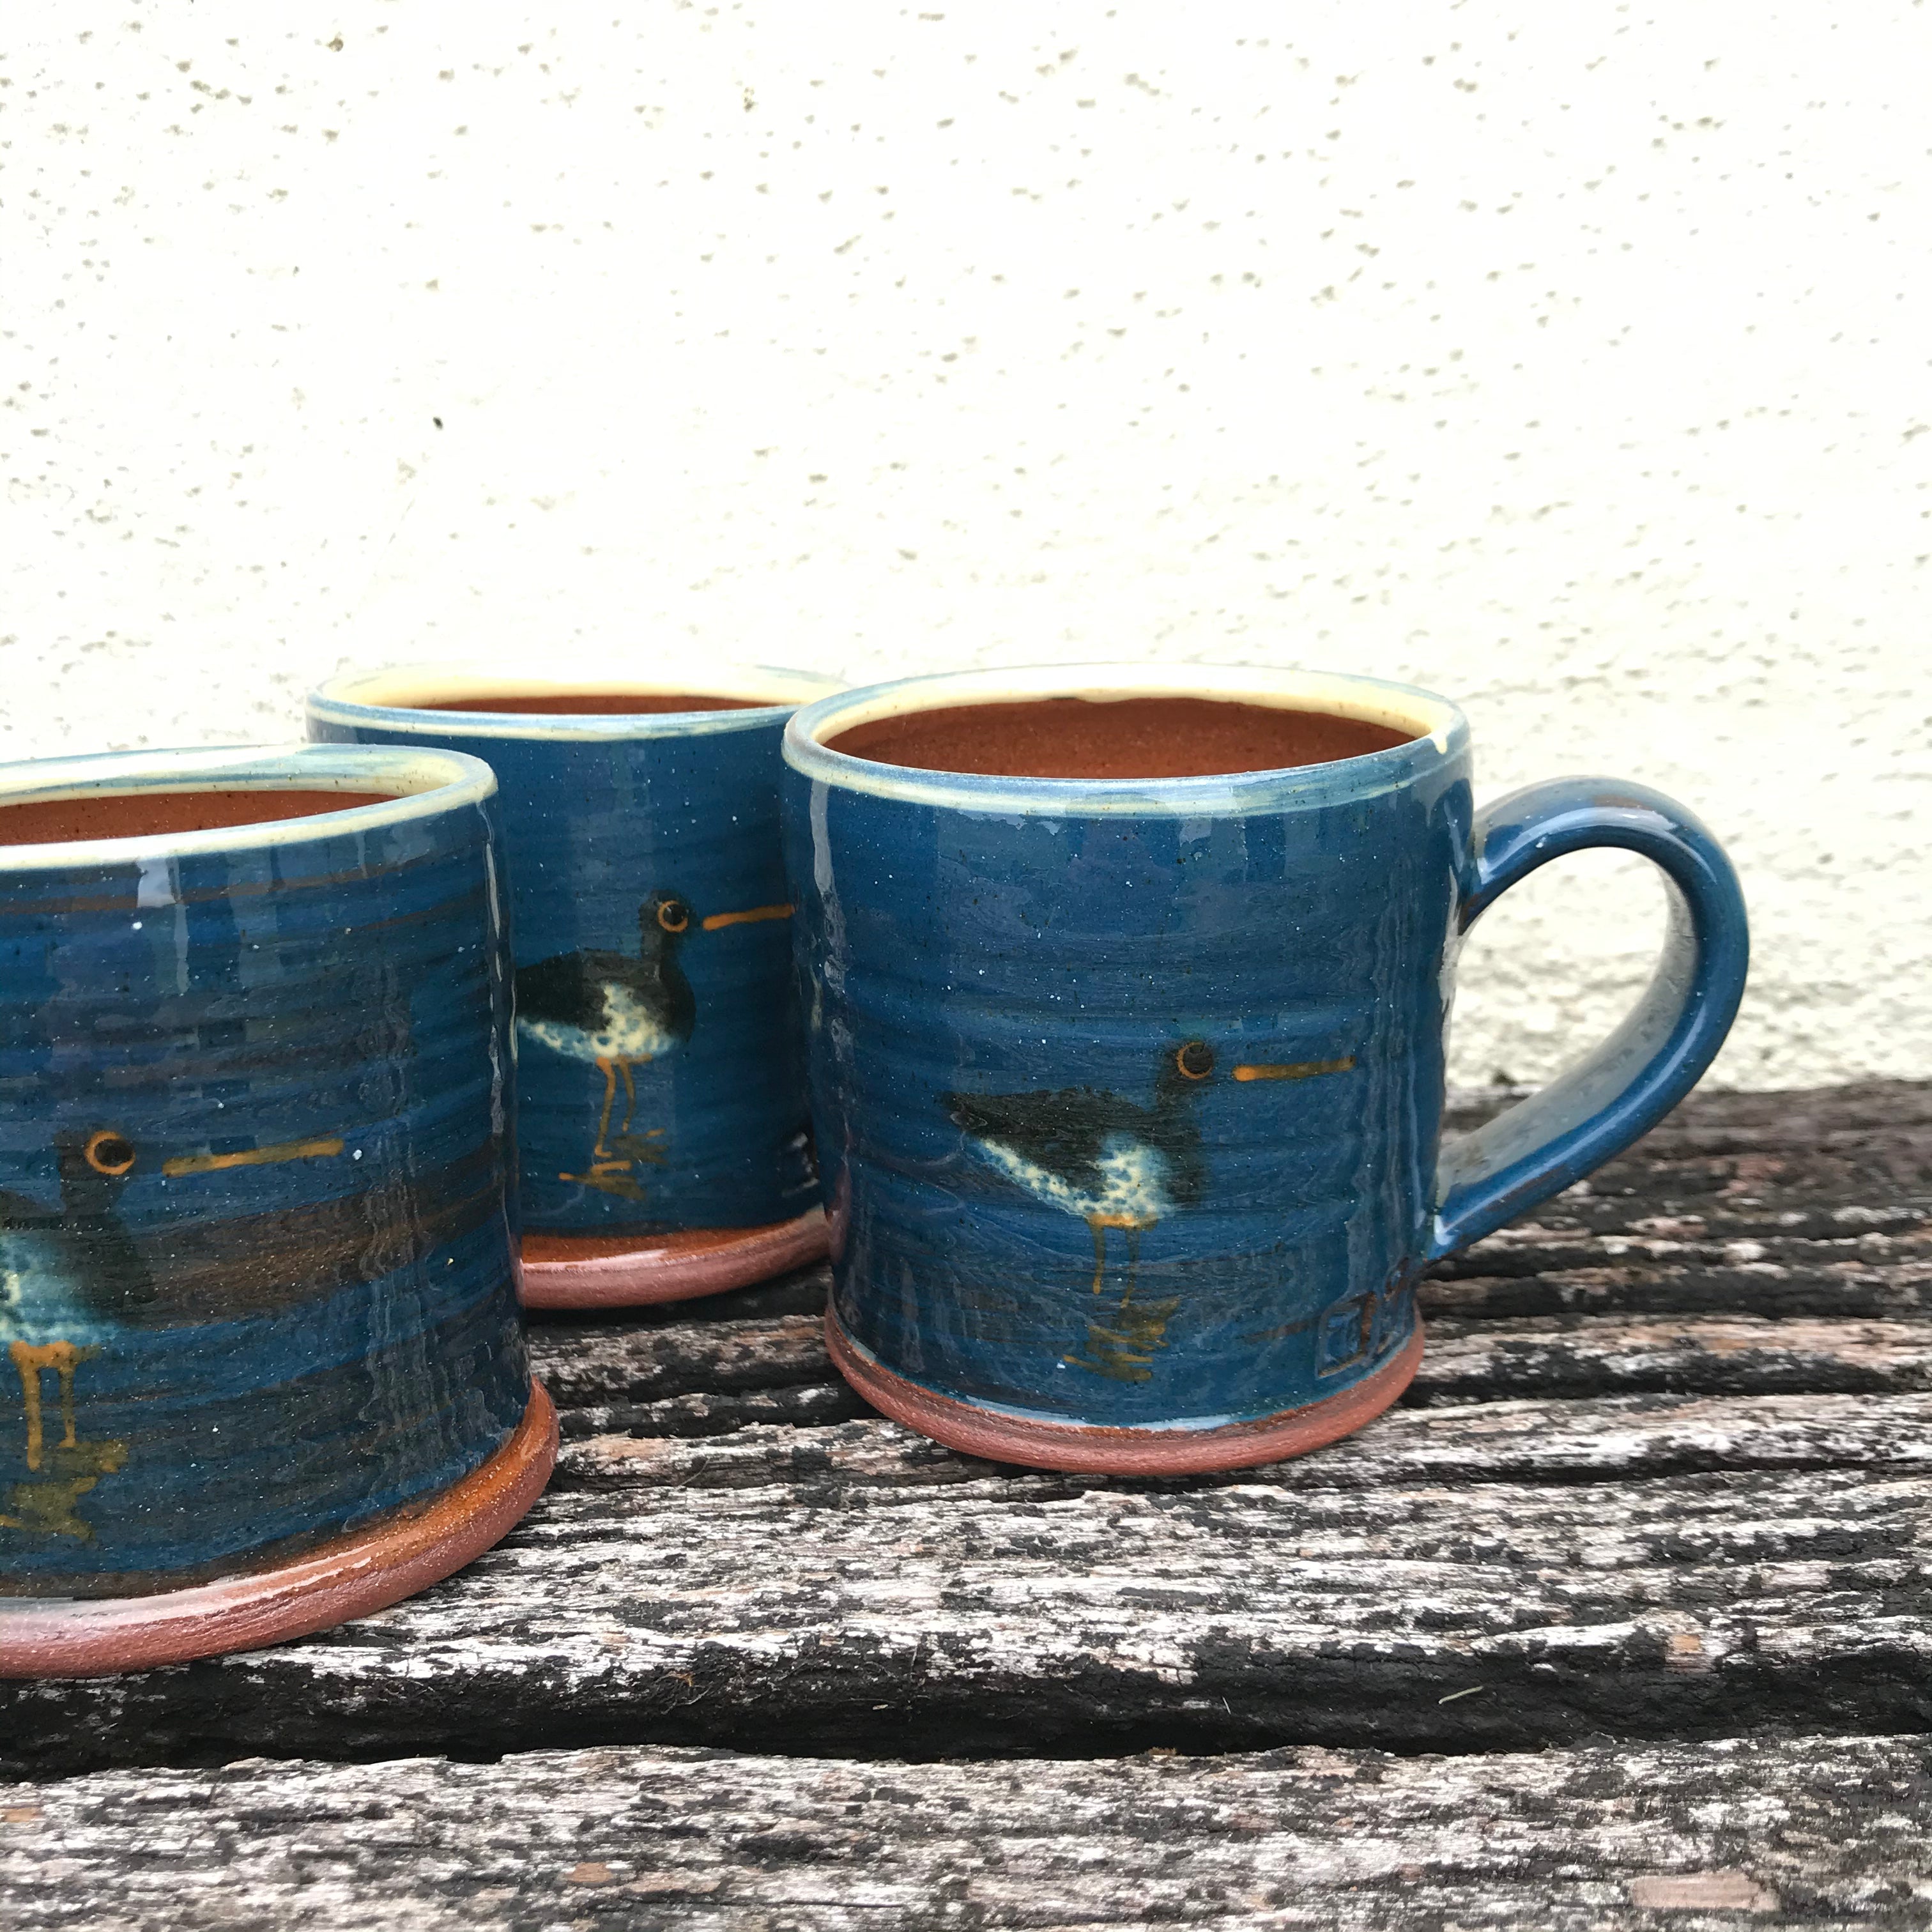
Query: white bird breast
x,y
628,1032
1134,1180
35,1301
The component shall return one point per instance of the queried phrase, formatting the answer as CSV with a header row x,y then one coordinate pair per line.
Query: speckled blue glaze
x,y
256,1225
602,814
962,939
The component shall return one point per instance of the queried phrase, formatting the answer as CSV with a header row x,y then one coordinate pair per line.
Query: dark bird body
x,y
75,1268
1091,1152
617,1013
599,1005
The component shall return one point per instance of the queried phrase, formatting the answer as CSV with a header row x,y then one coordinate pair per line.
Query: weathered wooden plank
x,y
1728,1168
1535,1270
615,1359
1467,1361
1862,1141
703,1378
1815,1831
1620,1439
806,1405
1873,1126
1000,1614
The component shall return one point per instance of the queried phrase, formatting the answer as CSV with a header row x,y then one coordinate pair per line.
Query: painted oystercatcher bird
x,y
1116,1164
1097,1154
617,1013
67,1276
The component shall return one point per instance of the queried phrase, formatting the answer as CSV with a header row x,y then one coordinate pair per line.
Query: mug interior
x,y
593,704
1195,735
85,815
116,808
503,699
1092,736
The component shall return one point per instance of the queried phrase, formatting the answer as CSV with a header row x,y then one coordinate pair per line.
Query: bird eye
x,y
1195,1061
109,1153
673,915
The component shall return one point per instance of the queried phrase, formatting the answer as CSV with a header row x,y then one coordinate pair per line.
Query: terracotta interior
x,y
1118,738
594,703
48,821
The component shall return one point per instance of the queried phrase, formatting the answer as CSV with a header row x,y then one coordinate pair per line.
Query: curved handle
x,y
1595,1108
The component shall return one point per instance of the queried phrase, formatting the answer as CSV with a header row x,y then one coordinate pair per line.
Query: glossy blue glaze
x,y
257,1230
1234,991
1598,1106
647,839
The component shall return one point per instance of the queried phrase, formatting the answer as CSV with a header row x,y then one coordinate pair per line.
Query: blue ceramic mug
x,y
1126,989
663,1127
263,1362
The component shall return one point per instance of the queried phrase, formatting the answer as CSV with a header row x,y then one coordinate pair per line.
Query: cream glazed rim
x,y
1439,733
399,697
426,783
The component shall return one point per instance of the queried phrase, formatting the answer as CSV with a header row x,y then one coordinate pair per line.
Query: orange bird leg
x,y
63,1358
609,1070
1133,1224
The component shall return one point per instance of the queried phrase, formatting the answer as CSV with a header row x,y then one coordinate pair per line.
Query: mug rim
x,y
381,696
1440,732
430,782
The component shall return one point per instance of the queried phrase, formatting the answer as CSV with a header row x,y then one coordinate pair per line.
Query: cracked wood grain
x,y
1819,1832
1630,1437
1004,1614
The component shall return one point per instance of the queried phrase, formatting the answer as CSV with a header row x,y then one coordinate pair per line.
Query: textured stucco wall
x,y
1571,361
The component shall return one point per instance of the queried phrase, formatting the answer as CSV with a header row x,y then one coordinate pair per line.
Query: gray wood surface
x,y
1650,1532
1820,1833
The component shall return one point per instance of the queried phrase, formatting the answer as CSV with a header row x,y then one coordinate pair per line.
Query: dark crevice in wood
x,y
1508,1712
1060,1486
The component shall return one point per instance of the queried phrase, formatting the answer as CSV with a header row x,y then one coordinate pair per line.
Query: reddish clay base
x,y
1120,1452
624,1271
406,1552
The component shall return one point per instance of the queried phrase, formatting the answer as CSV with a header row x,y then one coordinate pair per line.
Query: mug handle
x,y
1595,1108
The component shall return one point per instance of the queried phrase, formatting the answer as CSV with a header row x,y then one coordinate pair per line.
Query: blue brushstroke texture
x,y
348,985
594,826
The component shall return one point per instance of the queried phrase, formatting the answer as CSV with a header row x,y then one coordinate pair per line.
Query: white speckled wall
x,y
1571,361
